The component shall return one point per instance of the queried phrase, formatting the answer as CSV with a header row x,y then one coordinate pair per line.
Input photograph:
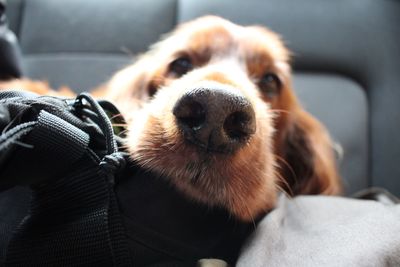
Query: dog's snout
x,y
216,119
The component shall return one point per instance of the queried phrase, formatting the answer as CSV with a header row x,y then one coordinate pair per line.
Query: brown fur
x,y
290,150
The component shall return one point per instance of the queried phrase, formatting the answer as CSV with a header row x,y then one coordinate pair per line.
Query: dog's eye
x,y
270,85
180,66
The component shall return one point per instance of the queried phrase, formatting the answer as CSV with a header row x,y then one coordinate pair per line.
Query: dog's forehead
x,y
216,35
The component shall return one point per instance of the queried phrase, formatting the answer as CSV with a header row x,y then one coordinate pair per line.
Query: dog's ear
x,y
310,165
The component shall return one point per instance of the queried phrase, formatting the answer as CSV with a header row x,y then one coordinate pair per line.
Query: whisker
x,y
23,144
123,132
289,194
288,166
127,51
119,124
158,79
116,116
250,214
285,193
280,111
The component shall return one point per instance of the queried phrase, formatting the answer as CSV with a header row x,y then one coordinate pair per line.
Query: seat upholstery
x,y
346,59
82,43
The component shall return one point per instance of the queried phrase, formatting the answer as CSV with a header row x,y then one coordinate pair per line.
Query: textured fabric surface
x,y
81,72
326,231
65,221
159,218
81,44
27,119
68,159
91,26
14,204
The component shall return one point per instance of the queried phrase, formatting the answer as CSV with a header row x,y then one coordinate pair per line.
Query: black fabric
x,y
10,55
160,219
14,205
50,143
68,222
73,218
48,137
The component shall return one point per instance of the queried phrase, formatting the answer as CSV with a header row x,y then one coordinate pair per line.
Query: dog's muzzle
x,y
215,119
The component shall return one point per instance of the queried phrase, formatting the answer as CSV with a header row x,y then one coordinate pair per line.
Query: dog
x,y
211,107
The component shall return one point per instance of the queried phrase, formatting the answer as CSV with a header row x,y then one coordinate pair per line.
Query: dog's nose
x,y
216,119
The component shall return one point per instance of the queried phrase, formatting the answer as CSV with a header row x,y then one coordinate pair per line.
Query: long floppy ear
x,y
310,166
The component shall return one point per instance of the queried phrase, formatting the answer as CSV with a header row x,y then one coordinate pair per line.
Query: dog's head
x,y
211,107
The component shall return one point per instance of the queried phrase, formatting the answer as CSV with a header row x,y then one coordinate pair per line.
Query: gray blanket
x,y
326,231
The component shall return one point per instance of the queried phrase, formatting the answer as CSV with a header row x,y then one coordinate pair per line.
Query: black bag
x,y
66,152
70,197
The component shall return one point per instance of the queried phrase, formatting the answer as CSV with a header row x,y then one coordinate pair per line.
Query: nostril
x,y
191,114
239,125
216,119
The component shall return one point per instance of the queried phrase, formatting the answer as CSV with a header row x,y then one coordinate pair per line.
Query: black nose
x,y
216,119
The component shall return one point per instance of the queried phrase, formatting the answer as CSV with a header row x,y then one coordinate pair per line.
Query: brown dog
x,y
211,107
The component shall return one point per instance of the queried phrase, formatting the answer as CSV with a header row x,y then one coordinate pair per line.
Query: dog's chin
x,y
241,181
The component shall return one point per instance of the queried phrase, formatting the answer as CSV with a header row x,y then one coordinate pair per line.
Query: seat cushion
x,y
81,43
